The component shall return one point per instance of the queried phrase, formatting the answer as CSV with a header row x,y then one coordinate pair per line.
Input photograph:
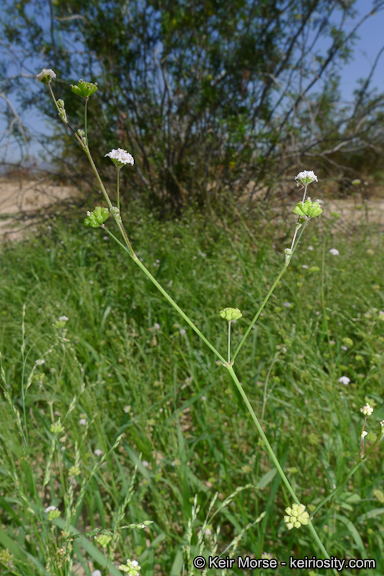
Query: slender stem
x,y
259,311
118,191
170,300
229,342
305,192
354,469
66,123
273,457
268,295
85,121
117,218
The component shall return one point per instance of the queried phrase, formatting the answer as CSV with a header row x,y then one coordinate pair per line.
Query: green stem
x,y
354,469
118,184
85,122
170,300
267,297
117,218
229,342
259,312
273,457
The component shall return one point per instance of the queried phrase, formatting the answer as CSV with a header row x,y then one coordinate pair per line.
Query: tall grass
x,y
136,370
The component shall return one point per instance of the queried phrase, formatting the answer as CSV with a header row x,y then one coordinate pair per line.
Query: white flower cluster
x,y
306,177
132,567
46,75
344,380
296,516
120,157
366,410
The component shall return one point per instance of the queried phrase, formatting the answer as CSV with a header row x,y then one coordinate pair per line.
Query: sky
x,y
366,48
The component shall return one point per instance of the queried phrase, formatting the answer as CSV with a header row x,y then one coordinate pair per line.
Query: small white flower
x,y
134,563
287,304
120,157
83,422
306,177
40,362
343,347
310,248
50,508
156,326
344,380
364,434
334,252
203,398
127,409
63,319
145,464
366,410
305,267
183,332
98,452
46,75
96,573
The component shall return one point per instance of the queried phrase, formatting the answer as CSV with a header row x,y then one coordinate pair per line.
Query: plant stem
x,y
118,191
229,342
267,296
273,457
354,469
170,300
119,224
85,122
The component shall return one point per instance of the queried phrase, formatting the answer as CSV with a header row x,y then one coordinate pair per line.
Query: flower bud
x,y
231,314
62,113
84,89
97,217
288,255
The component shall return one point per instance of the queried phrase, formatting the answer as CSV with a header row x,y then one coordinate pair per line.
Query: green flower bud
x,y
97,217
84,89
62,113
307,209
356,182
296,516
314,269
230,314
53,513
103,540
348,342
57,427
74,471
314,210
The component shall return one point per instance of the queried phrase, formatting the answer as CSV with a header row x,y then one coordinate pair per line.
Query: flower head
x,y
296,516
46,76
230,314
84,89
120,157
344,380
306,177
97,217
96,573
308,209
132,568
98,452
334,252
366,410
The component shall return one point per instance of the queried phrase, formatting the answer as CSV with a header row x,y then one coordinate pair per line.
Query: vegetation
x,y
135,370
211,98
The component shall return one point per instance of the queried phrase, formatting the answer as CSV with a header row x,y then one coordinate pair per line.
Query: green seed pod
x,y
84,89
230,314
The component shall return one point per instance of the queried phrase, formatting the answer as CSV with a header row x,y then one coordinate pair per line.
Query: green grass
x,y
186,428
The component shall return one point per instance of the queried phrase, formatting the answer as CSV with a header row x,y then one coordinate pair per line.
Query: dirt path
x,y
24,197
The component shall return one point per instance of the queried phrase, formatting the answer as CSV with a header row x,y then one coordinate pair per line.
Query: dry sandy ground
x,y
17,198
23,197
